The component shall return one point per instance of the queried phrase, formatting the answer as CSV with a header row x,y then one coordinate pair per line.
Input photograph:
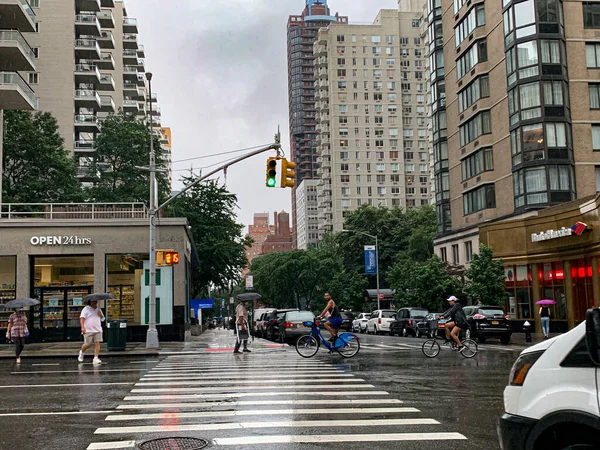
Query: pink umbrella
x,y
546,302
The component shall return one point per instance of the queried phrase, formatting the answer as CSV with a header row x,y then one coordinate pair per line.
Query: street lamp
x,y
376,259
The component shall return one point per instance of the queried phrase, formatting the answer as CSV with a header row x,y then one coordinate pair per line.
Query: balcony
x,y
106,18
130,41
130,73
85,146
107,40
141,109
87,123
130,25
130,57
141,80
107,3
141,94
87,98
130,105
87,49
141,66
106,61
87,24
107,83
130,89
107,104
15,93
156,111
15,52
140,51
17,14
88,5
87,73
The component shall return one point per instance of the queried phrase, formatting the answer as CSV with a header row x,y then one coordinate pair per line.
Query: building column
x,y
595,281
100,272
2,154
23,281
569,295
536,287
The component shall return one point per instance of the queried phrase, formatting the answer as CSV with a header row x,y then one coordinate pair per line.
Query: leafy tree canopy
x,y
486,278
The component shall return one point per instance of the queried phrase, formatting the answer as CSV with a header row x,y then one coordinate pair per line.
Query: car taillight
x,y
507,317
521,368
379,320
410,323
288,325
478,316
265,323
255,323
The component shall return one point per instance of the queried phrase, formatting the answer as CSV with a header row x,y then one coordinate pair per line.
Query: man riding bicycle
x,y
457,323
335,319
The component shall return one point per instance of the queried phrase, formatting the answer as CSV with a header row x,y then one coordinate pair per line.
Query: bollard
x,y
527,330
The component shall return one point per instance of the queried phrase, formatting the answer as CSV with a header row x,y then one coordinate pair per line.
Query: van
x,y
552,399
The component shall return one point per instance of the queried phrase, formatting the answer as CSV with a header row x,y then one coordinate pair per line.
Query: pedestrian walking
x,y
241,326
17,331
91,327
545,316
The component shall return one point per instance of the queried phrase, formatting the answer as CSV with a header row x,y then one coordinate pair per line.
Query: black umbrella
x,y
249,296
98,296
21,303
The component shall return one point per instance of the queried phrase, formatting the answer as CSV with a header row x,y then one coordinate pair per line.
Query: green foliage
x,y
37,168
486,278
124,144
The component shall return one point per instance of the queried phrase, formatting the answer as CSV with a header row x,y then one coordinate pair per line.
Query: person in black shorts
x,y
335,319
457,323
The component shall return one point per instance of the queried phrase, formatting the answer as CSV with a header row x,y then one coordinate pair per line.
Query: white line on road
x,y
243,388
235,366
236,376
251,394
81,370
61,385
262,412
331,438
241,383
111,445
360,401
57,413
53,364
279,424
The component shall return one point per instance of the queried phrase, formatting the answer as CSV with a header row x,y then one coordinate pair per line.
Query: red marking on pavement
x,y
274,346
217,350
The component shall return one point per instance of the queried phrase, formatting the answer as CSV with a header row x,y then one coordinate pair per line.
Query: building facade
x,y
307,222
372,120
301,34
280,240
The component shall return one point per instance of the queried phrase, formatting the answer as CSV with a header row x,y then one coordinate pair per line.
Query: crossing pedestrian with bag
x,y
241,327
17,331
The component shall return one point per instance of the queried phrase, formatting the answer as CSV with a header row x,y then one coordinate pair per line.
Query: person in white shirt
x,y
91,327
241,322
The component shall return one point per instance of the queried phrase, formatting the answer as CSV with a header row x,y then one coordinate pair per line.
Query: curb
x,y
26,355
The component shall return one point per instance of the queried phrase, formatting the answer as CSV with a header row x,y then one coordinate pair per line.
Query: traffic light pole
x,y
152,333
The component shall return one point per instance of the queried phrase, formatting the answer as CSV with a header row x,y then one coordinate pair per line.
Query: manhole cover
x,y
174,444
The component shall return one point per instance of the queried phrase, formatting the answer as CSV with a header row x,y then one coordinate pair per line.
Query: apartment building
x,y
372,121
307,223
88,65
301,34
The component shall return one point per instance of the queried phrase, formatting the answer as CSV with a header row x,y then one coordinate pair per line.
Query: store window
x,y
8,280
125,277
553,288
518,286
583,294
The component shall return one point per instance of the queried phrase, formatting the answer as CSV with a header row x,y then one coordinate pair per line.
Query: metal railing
x,y
129,21
86,119
107,100
27,7
87,43
85,145
87,94
106,14
107,78
85,211
14,35
87,68
16,79
87,18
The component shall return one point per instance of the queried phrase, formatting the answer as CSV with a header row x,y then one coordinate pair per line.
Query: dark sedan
x,y
430,326
406,321
347,319
488,322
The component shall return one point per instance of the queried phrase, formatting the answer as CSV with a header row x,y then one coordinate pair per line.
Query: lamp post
x,y
376,259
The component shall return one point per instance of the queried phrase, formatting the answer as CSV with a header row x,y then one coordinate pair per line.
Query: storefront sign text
x,y
60,240
576,230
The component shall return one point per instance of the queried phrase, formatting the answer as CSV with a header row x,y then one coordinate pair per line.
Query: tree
x,y
210,210
124,144
486,278
36,166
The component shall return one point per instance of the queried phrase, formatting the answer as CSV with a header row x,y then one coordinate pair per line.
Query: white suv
x,y
380,321
360,323
552,400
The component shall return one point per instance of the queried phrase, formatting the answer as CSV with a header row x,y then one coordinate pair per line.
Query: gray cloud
x,y
220,71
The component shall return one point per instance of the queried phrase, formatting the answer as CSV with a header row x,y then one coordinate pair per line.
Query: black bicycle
x,y
431,347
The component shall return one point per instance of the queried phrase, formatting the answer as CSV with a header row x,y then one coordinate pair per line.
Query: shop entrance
x,y
60,284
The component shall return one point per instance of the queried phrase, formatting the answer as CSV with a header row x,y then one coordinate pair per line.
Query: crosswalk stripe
x,y
265,412
245,372
274,424
236,376
238,388
360,401
251,394
230,367
111,445
237,382
331,438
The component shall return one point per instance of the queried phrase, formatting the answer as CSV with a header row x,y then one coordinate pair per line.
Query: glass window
x,y
524,13
553,93
483,197
550,52
475,127
8,282
547,10
591,15
536,185
125,276
556,134
475,54
527,59
533,137
559,178
594,96
475,18
596,137
592,53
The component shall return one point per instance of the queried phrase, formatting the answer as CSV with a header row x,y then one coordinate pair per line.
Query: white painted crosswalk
x,y
257,402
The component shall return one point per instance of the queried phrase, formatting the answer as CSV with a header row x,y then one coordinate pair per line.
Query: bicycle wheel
x,y
470,348
307,346
351,348
431,348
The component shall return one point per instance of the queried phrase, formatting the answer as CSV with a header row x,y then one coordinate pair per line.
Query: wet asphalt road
x,y
66,405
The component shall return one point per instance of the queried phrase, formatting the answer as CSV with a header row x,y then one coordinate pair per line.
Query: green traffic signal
x,y
271,182
271,172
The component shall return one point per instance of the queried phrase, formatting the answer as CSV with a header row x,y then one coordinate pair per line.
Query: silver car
x,y
291,325
359,325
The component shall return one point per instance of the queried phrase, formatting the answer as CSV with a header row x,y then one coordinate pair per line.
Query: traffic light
x,y
166,258
271,172
160,258
287,173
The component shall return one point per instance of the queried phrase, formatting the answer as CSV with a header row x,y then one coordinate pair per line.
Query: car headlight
x,y
521,368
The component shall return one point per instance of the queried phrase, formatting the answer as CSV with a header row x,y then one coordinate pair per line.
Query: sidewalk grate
x,y
174,443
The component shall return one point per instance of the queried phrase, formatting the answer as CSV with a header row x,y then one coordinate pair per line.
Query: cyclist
x,y
457,323
335,318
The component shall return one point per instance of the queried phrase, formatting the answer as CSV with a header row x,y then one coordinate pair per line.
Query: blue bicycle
x,y
307,345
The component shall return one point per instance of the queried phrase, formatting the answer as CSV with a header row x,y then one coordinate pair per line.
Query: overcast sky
x,y
220,72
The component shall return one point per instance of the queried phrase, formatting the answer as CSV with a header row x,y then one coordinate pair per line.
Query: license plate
x,y
495,322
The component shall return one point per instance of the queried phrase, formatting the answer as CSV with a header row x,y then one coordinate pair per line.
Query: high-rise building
x,y
372,120
280,240
258,231
301,34
524,130
88,65
307,222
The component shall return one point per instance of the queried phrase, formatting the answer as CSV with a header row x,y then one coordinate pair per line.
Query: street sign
x,y
249,282
202,303
370,260
381,296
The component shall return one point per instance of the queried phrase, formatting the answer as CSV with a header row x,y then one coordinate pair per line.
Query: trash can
x,y
117,334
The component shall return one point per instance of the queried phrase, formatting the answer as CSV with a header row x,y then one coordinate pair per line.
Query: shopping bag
x,y
243,335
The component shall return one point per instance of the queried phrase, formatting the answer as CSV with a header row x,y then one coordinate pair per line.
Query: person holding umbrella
x,y
17,331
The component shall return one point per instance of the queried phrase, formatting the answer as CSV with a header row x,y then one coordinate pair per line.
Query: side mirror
x,y
592,334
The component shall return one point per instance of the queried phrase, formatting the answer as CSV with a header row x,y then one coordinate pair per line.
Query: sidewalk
x,y
519,338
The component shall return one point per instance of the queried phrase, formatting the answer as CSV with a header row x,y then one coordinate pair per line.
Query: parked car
x,y
424,326
406,321
291,325
256,316
552,397
359,325
272,328
487,321
380,321
347,319
261,324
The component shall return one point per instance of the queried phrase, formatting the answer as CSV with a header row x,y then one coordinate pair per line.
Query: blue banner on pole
x,y
370,260
202,303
